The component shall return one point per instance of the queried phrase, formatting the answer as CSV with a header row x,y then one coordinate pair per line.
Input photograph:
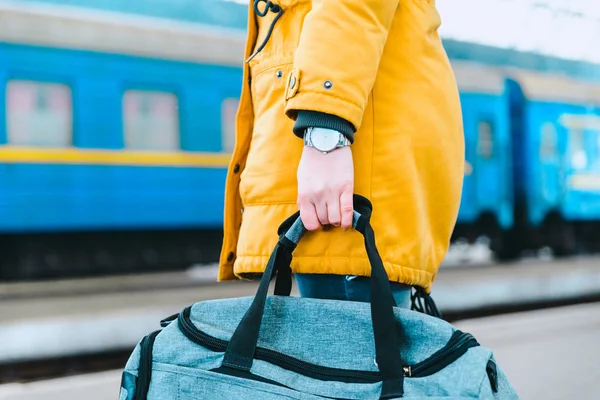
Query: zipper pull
x,y
492,373
407,371
165,322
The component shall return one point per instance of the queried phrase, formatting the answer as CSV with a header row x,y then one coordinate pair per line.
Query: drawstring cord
x,y
422,302
269,6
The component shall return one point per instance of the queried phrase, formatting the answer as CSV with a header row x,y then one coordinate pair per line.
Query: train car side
x,y
557,137
101,176
113,154
487,203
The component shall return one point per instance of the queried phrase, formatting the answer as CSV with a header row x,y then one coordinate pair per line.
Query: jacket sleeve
x,y
337,58
307,119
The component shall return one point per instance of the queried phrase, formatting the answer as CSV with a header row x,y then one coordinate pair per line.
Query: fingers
x,y
347,207
333,211
321,208
336,211
308,215
326,198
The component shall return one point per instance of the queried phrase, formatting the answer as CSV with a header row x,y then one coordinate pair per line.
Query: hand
x,y
325,188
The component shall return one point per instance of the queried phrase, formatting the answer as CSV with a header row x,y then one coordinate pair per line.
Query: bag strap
x,y
421,301
240,351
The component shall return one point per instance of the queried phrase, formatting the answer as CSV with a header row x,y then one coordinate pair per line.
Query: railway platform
x,y
46,320
549,354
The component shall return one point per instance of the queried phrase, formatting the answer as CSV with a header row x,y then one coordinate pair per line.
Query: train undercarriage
x,y
555,235
41,256
29,257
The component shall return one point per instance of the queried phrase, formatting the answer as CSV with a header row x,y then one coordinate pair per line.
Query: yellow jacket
x,y
390,77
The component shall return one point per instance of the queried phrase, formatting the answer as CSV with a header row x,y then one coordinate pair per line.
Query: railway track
x,y
58,367
149,298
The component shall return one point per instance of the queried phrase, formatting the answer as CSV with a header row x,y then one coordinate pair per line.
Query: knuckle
x,y
347,208
334,190
347,185
343,186
312,194
302,198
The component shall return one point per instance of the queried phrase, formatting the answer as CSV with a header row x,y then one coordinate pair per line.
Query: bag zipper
x,y
167,321
458,344
145,368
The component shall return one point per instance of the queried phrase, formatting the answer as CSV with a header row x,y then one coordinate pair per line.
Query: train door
x,y
551,171
488,185
576,155
592,137
468,207
484,197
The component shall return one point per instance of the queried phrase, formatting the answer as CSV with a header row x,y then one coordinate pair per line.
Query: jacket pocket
x,y
270,172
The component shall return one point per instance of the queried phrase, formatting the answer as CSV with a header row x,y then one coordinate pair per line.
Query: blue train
x,y
532,152
118,127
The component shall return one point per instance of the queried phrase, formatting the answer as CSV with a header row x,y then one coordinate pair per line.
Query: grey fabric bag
x,y
282,347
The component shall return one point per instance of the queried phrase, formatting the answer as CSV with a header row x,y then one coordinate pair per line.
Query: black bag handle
x,y
240,350
291,231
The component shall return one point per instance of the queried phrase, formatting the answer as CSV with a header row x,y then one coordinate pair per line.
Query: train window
x,y
229,109
548,141
151,120
577,149
485,139
39,114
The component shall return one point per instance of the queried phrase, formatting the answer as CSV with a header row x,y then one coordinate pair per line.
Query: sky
x,y
563,28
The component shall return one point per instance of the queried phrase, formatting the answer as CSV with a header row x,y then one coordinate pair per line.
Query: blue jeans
x,y
346,287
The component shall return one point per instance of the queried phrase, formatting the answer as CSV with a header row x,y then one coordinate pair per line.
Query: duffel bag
x,y
282,347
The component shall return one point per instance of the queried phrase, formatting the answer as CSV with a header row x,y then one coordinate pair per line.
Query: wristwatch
x,y
324,140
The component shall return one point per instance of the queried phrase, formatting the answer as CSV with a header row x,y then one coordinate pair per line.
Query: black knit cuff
x,y
307,119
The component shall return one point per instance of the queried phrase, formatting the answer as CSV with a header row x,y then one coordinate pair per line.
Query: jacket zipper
x,y
145,368
458,344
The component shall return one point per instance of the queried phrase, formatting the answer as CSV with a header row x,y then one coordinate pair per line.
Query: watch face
x,y
324,139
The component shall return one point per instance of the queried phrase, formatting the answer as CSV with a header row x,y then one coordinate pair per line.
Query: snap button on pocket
x,y
293,84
